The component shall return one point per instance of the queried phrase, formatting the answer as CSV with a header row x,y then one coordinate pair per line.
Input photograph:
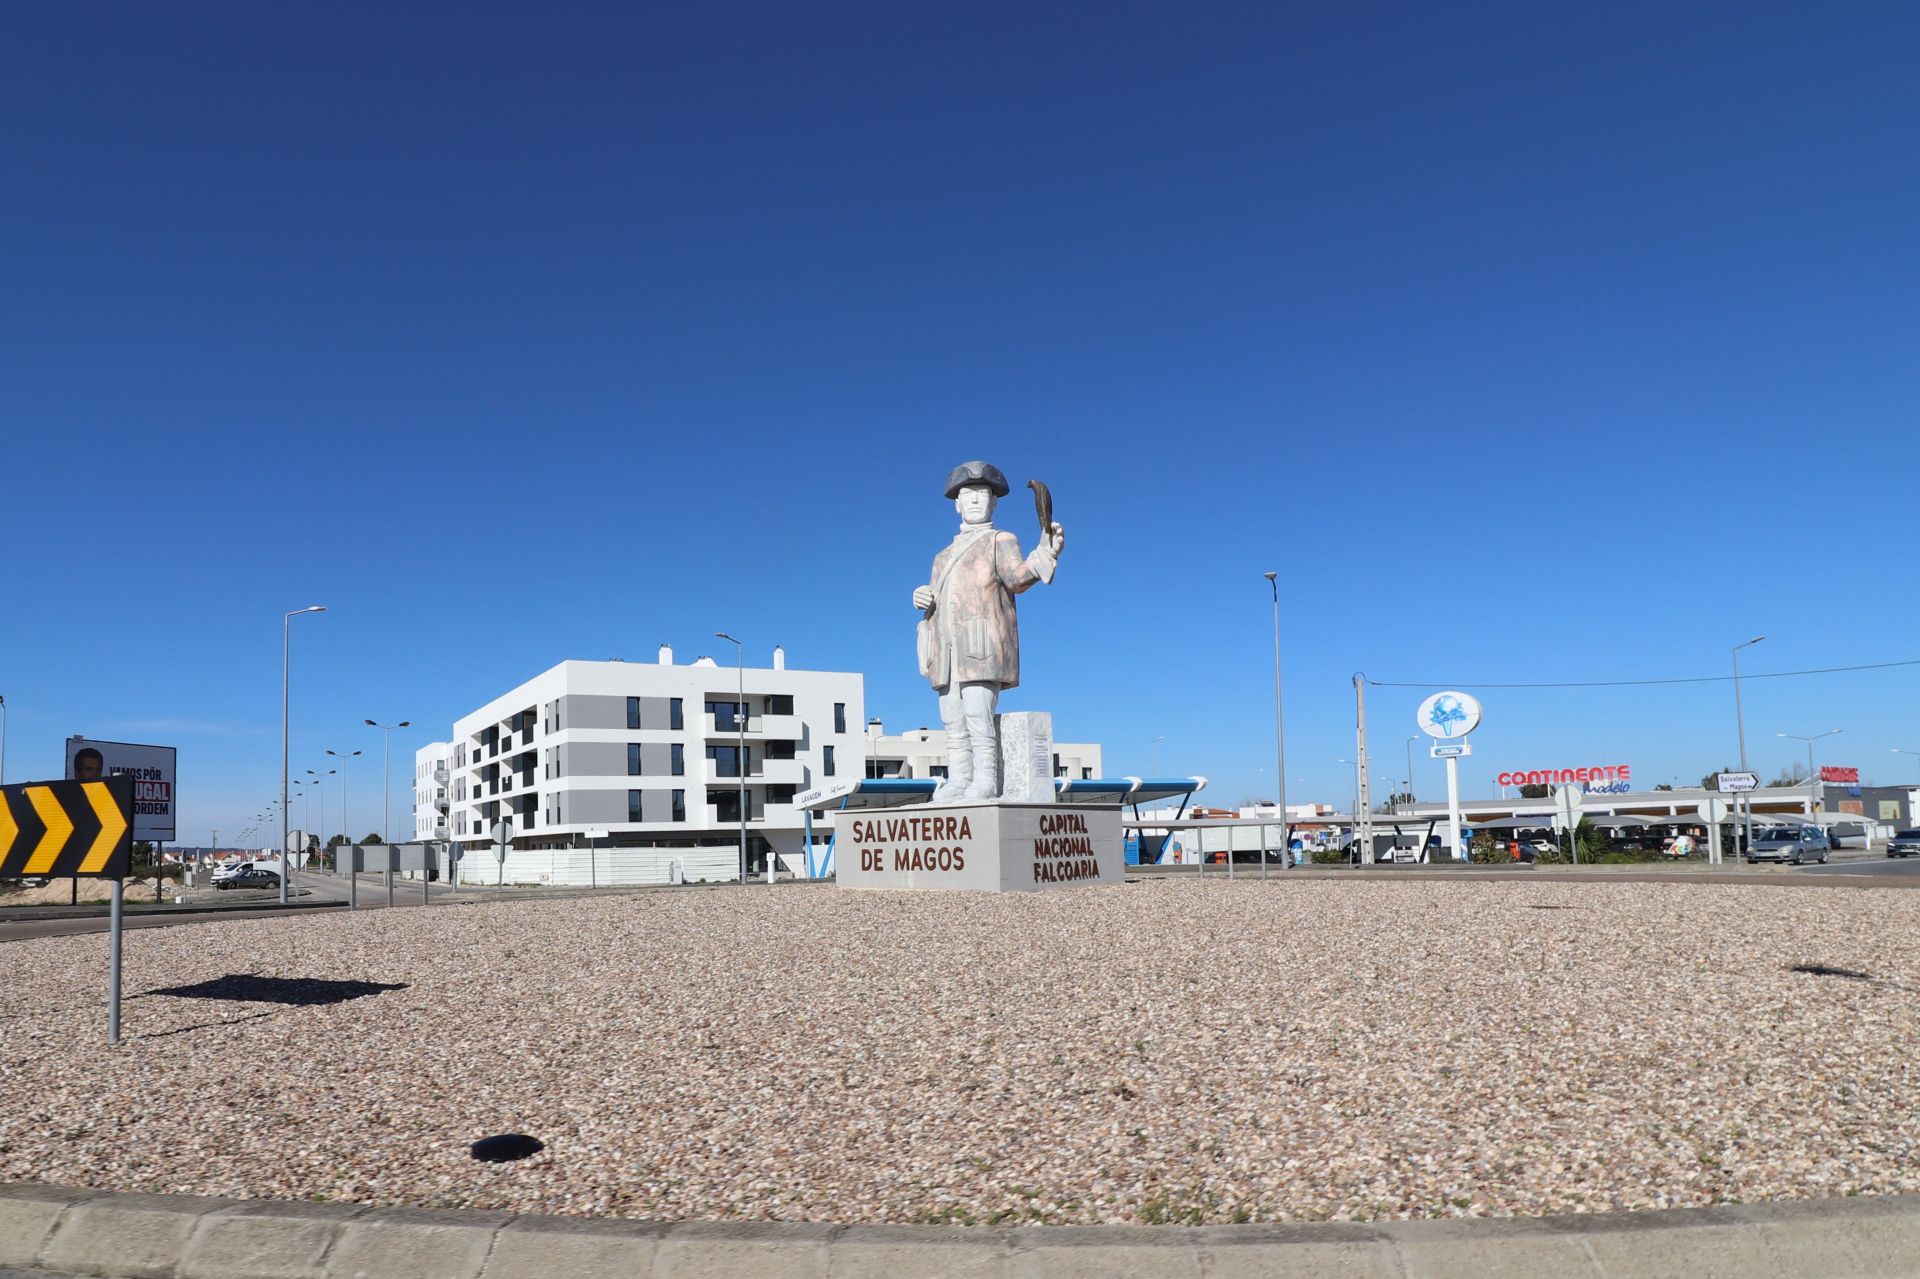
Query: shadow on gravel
x,y
252,989
1824,970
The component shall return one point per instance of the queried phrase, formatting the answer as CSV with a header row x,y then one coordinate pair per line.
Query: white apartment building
x,y
922,752
432,784
652,755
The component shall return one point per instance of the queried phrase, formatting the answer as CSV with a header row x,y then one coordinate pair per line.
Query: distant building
x,y
922,752
650,754
432,783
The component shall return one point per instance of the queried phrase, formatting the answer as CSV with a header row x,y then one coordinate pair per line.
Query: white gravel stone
x,y
1158,1051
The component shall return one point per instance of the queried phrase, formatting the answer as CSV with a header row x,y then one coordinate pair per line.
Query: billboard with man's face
x,y
152,769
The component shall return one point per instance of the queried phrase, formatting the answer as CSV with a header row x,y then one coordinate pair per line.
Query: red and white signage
x,y
1834,773
1598,774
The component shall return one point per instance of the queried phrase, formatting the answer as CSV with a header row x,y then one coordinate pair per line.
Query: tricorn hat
x,y
976,473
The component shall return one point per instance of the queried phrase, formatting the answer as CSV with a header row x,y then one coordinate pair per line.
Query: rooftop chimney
x,y
666,655
874,729
779,658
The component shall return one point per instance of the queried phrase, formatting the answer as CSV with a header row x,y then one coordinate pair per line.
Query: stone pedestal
x,y
986,845
1026,756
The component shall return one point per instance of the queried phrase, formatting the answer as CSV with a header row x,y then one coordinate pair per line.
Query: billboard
x,y
152,771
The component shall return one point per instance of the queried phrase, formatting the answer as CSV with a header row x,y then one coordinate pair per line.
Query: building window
x,y
780,794
633,759
839,723
676,720
728,716
679,759
936,770
679,806
779,750
778,704
826,756
633,712
726,805
633,805
726,760
1086,774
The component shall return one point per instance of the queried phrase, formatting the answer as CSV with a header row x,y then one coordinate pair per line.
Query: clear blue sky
x,y
1526,342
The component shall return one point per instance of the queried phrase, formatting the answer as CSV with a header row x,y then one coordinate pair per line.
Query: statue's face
x,y
975,504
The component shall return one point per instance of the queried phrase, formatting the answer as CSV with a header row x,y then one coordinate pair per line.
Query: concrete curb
x,y
181,1237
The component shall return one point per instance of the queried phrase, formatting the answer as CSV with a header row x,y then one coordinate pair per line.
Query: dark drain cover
x,y
1825,970
507,1147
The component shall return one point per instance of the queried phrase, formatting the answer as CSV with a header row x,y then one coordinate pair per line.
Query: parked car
x,y
1905,843
253,875
1794,844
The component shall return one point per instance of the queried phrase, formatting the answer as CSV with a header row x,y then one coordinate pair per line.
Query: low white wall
x,y
602,867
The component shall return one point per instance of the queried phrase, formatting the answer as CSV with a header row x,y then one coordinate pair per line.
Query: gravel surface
x,y
1159,1051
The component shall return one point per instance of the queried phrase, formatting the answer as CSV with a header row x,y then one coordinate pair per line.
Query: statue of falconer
x,y
969,639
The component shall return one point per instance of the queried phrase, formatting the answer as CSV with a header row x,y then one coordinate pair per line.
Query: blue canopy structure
x,y
897,792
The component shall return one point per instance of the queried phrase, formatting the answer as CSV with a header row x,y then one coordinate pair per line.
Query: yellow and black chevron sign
x,y
67,828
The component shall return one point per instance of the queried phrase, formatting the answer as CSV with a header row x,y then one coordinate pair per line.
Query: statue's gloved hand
x,y
1056,540
923,597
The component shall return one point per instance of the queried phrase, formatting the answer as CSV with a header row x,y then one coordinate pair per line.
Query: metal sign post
x,y
1450,716
1737,785
79,828
1568,800
1713,812
502,842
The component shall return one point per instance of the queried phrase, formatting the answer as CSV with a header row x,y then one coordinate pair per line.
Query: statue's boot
x,y
959,770
985,770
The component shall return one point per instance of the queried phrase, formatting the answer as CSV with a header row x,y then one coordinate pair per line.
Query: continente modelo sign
x,y
1602,779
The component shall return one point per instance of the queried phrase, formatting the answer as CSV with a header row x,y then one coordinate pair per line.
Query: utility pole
x,y
1363,819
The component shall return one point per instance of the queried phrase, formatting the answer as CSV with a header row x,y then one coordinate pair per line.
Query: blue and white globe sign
x,y
1449,715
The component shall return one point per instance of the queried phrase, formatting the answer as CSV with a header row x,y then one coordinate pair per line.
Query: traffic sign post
x,y
1568,802
502,842
79,829
1713,812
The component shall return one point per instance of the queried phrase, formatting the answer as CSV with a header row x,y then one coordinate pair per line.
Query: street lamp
x,y
740,761
1410,742
320,780
3,741
286,669
1279,733
1153,755
346,825
386,778
1741,722
1916,755
1810,741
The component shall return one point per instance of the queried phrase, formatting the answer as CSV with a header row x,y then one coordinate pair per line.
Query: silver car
x,y
1794,844
1905,843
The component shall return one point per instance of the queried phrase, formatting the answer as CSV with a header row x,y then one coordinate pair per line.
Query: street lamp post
x,y
1410,742
1741,722
3,741
320,780
1279,736
1810,741
740,760
346,823
1153,755
286,676
386,779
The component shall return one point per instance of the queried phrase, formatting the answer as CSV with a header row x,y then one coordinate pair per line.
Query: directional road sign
x,y
1732,783
67,828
